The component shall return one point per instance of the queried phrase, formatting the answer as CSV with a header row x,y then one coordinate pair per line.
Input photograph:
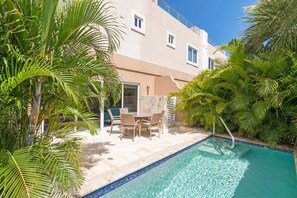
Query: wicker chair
x,y
128,123
115,120
153,123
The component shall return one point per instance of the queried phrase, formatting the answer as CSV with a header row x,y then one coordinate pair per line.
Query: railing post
x,y
214,125
228,130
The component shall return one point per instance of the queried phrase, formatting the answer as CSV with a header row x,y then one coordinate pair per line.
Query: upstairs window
x,y
138,23
171,40
210,63
192,55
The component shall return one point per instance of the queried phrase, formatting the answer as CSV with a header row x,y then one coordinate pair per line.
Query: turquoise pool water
x,y
210,169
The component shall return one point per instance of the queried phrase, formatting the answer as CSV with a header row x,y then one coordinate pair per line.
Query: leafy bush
x,y
256,95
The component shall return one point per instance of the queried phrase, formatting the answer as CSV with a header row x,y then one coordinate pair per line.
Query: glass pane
x,y
130,97
135,21
190,55
210,64
171,39
139,21
195,56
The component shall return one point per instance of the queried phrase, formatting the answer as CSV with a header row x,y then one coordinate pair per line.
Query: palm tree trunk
x,y
35,110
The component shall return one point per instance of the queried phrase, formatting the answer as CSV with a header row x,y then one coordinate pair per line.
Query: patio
x,y
106,158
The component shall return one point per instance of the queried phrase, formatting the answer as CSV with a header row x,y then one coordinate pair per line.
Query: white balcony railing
x,y
165,6
168,8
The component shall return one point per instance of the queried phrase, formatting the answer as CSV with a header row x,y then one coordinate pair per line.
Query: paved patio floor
x,y
106,158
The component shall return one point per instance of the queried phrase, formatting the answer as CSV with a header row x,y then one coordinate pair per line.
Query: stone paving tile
x,y
106,158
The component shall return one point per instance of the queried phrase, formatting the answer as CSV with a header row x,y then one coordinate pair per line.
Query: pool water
x,y
211,169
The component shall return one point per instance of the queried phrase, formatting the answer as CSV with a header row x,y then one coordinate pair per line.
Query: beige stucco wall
x,y
152,46
165,85
144,73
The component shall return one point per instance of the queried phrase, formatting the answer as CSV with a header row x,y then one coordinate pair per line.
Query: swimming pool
x,y
210,169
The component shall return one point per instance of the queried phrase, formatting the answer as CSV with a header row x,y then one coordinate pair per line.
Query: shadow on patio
x,y
92,152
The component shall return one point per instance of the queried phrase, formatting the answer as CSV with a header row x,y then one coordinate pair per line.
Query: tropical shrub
x,y
51,55
256,95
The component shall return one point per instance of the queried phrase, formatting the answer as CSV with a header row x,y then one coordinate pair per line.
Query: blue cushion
x,y
114,111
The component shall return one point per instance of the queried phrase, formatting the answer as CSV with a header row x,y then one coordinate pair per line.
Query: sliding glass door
x,y
130,97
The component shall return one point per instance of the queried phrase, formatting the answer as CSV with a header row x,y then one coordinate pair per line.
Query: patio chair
x,y
115,120
161,121
124,110
153,123
128,123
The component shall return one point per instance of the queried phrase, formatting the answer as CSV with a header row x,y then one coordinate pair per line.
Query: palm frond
x,y
21,175
277,99
47,21
272,26
265,86
260,109
98,16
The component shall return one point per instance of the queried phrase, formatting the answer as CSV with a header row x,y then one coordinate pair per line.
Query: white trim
x,y
102,107
42,127
122,95
172,45
138,97
137,29
190,62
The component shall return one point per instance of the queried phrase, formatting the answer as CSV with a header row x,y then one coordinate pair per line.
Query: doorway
x,y
130,97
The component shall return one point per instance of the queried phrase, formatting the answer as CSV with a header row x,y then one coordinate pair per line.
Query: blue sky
x,y
222,19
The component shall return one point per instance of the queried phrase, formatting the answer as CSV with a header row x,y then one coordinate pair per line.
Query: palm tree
x,y
273,26
51,55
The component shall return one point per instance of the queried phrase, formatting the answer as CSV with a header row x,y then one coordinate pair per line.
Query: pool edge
x,y
125,179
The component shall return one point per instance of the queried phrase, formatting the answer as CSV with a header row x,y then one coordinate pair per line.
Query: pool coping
x,y
110,187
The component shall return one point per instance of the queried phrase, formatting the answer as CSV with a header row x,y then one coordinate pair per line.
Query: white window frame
x,y
136,28
213,63
196,49
172,45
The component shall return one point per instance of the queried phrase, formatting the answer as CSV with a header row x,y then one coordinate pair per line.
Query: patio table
x,y
141,116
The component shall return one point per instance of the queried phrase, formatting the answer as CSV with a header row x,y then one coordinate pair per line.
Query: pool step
x,y
219,149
